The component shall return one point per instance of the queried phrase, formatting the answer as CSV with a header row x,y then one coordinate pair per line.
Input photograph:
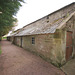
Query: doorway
x,y
21,41
69,47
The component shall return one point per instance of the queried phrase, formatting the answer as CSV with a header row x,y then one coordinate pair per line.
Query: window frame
x,y
33,40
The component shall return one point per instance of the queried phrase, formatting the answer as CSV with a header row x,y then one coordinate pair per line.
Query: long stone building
x,y
51,37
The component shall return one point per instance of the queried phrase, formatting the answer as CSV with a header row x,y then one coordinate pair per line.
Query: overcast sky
x,y
35,9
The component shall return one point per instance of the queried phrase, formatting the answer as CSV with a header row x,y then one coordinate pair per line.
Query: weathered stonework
x,y
51,46
50,35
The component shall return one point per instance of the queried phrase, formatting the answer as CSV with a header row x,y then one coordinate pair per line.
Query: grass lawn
x,y
4,38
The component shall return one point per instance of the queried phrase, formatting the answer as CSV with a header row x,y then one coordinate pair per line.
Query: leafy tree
x,y
9,9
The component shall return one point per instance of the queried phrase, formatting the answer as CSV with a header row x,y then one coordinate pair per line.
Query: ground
x,y
17,61
69,67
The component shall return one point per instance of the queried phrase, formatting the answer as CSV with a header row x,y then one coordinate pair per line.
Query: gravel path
x,y
17,61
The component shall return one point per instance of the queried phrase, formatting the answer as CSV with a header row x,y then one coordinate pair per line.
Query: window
x,y
33,40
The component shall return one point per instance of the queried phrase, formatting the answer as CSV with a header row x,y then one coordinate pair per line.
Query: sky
x,y
33,10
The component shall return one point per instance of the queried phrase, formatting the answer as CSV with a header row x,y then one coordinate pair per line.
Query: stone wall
x,y
17,41
50,46
10,38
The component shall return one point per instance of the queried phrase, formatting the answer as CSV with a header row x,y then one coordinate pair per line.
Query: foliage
x,y
9,9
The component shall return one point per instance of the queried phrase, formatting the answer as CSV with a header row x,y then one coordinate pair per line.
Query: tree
x,y
9,9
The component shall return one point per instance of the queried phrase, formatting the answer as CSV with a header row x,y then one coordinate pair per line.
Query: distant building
x,y
52,37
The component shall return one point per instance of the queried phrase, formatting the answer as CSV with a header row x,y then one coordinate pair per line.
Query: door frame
x,y
66,46
21,41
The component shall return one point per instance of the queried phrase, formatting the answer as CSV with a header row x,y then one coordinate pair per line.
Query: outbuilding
x,y
51,37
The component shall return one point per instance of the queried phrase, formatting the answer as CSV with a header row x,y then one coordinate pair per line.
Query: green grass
x,y
4,38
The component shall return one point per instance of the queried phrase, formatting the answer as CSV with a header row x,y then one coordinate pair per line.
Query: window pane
x,y
33,40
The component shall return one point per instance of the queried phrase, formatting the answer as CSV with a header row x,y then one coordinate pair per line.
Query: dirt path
x,y
17,61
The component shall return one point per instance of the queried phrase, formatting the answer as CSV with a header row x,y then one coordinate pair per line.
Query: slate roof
x,y
42,27
38,29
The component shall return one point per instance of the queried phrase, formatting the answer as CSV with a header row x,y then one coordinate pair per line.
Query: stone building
x,y
51,37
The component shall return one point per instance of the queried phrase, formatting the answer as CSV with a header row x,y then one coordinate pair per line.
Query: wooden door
x,y
21,41
69,45
14,40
